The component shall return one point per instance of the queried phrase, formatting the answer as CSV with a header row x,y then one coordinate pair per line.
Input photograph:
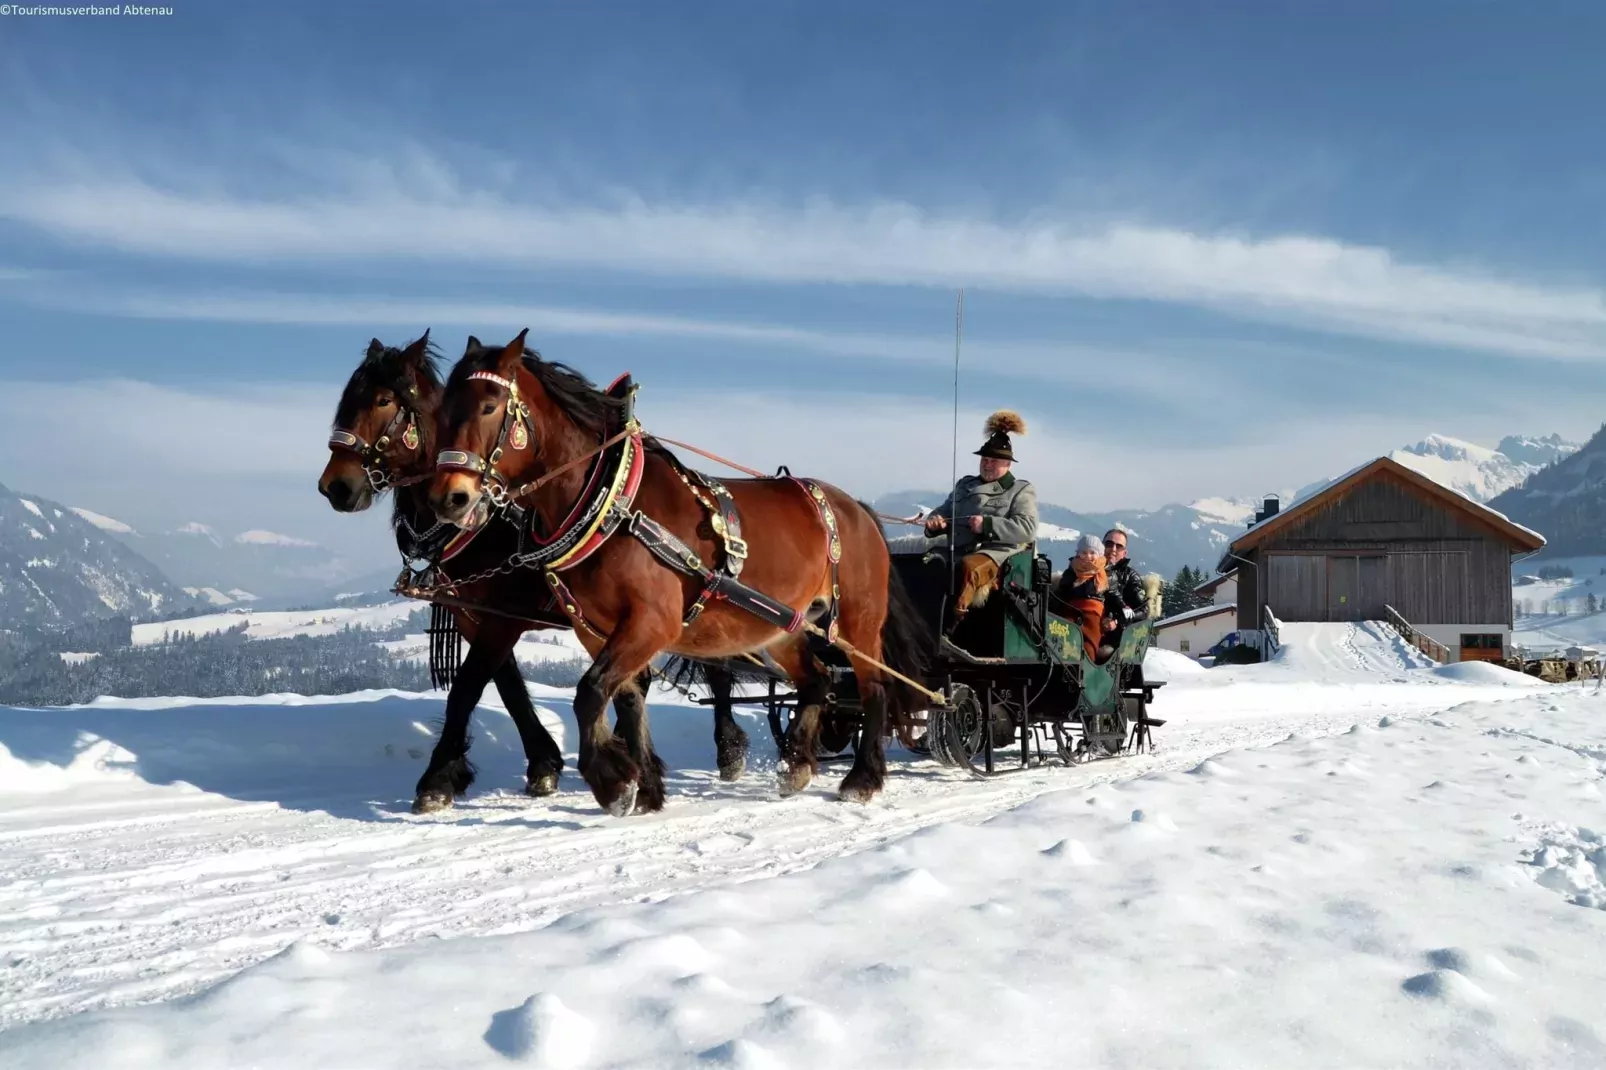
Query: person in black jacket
x,y
1125,582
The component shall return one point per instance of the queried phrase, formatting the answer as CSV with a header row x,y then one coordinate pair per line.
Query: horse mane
x,y
575,395
386,369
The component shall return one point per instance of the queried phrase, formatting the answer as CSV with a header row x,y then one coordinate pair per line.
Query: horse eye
x,y
488,408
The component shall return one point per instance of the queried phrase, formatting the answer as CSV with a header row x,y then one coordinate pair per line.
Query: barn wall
x,y
1249,591
1385,542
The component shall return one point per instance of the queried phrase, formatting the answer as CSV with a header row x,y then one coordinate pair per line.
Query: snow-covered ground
x,y
280,624
1345,857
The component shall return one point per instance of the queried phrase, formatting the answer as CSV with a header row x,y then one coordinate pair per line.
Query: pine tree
x,y
1592,604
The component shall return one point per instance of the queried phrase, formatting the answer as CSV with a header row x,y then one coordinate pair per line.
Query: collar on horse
x,y
605,501
375,457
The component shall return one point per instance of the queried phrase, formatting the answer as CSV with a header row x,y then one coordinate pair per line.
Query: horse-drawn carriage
x,y
537,500
1016,676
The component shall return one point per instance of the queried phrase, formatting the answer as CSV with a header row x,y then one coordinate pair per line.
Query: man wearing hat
x,y
994,514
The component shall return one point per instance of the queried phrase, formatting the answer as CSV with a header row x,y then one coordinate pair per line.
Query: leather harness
x,y
374,459
607,504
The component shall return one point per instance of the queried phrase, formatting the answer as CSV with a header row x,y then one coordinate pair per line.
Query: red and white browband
x,y
492,377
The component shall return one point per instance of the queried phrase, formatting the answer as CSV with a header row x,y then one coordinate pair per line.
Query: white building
x,y
1222,590
1196,631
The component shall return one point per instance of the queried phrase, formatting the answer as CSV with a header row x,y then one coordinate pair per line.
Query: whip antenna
x,y
953,480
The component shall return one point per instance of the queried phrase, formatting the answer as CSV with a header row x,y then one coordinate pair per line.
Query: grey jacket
x,y
1009,506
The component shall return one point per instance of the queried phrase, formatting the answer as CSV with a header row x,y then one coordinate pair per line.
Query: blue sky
x,y
1207,249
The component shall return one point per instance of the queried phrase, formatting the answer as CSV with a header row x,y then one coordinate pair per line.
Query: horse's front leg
x,y
613,775
450,773
630,724
543,756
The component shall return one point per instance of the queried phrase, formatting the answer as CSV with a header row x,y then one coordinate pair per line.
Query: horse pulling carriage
x,y
1015,676
537,501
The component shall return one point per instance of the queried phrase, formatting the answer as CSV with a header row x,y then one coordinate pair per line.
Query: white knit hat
x,y
1090,542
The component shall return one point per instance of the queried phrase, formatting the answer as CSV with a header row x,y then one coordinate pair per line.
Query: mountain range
x,y
58,568
1163,540
1565,502
248,567
58,563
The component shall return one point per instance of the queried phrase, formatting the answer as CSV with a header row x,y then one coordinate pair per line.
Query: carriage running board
x,y
959,653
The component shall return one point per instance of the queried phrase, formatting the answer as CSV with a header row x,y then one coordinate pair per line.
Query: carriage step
x,y
959,653
1151,722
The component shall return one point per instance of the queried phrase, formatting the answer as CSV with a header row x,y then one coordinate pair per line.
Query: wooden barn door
x,y
1373,583
1357,587
1343,588
1296,586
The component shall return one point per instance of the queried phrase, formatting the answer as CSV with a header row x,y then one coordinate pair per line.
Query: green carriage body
x,y
1015,676
1023,671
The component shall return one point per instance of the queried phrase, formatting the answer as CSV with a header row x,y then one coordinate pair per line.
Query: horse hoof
x,y
430,801
625,804
792,781
538,787
733,771
856,795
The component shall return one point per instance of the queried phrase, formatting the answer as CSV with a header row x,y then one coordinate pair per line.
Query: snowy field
x,y
1346,857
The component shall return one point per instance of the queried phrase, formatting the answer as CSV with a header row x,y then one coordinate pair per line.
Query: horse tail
x,y
680,671
908,646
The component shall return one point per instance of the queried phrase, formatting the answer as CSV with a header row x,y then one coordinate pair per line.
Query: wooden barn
x,y
1384,543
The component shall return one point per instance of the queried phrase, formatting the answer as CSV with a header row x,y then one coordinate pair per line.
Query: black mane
x,y
386,369
578,397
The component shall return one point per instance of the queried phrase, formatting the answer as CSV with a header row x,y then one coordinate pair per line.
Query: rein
x,y
761,475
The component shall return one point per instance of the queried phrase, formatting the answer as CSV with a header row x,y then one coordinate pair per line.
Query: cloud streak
x,y
1312,282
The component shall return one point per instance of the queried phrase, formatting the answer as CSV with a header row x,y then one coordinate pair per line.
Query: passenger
x,y
1126,583
994,514
1084,595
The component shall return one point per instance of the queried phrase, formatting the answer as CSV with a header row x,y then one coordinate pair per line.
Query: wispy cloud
x,y
1156,373
1309,281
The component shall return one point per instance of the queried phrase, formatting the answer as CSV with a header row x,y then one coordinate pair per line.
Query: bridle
x,y
375,458
514,434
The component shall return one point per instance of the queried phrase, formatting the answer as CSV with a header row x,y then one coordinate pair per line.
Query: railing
x,y
1431,647
1273,632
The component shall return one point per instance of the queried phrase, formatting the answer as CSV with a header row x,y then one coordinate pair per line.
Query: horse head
x,y
508,417
384,426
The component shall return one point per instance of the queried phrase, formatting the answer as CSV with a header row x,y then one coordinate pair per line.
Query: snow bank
x,y
1436,880
1161,664
1483,672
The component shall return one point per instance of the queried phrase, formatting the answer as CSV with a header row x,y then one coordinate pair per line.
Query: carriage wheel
x,y
954,730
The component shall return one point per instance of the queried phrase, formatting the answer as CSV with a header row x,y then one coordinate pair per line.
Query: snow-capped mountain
x,y
1565,502
1480,473
1537,451
59,566
226,570
1164,539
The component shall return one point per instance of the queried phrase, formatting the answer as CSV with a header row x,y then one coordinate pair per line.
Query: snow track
x,y
164,848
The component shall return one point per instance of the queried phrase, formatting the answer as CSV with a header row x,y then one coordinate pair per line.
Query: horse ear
x,y
473,343
375,349
513,355
416,351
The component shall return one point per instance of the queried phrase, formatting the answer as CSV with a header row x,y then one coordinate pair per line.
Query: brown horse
x,y
525,434
385,436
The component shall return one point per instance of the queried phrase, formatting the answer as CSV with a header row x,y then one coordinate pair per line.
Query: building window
x,y
1481,641
1184,646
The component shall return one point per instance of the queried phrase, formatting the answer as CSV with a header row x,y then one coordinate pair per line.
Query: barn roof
x,y
1209,586
1196,614
1517,536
